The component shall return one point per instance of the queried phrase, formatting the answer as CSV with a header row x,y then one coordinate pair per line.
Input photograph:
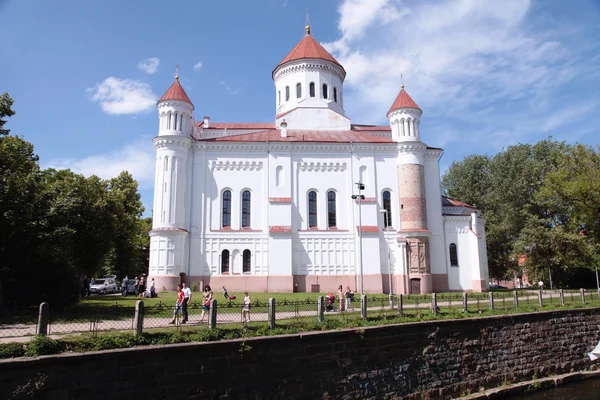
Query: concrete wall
x,y
433,359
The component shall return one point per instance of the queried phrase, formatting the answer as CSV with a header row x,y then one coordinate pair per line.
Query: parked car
x,y
103,286
495,286
131,288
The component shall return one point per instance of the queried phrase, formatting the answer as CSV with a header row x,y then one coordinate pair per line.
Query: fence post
x,y
516,299
465,302
271,313
582,295
138,319
43,318
212,314
540,298
400,304
434,303
561,292
363,306
491,300
320,309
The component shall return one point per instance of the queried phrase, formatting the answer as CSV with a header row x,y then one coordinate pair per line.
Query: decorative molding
x,y
367,200
280,229
401,112
243,230
367,228
297,147
162,142
281,200
322,166
237,165
310,66
412,147
157,231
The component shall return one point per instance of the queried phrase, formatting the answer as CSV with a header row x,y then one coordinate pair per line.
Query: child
x,y
180,298
246,309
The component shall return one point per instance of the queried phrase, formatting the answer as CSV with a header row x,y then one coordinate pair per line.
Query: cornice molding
x,y
322,166
236,165
297,147
411,147
314,65
161,142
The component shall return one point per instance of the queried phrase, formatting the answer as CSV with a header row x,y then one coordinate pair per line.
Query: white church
x,y
277,206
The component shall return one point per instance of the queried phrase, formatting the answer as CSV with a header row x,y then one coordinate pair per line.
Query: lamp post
x,y
360,198
385,226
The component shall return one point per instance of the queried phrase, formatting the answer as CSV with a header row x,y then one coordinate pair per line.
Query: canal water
x,y
585,390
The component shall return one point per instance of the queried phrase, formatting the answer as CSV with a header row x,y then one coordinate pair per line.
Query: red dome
x,y
176,92
308,47
403,100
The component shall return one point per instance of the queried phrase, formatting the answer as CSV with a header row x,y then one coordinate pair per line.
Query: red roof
x,y
176,92
308,47
294,135
403,101
448,202
238,125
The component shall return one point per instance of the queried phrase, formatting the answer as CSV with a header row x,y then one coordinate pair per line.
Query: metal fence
x,y
162,316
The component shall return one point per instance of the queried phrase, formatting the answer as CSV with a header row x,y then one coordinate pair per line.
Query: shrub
x,y
43,345
11,350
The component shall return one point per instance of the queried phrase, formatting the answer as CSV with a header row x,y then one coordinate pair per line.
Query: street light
x,y
385,225
360,198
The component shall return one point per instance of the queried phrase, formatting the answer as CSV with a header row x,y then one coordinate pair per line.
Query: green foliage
x,y
42,346
6,103
59,225
536,200
11,350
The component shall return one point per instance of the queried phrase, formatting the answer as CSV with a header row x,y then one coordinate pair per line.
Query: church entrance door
x,y
415,286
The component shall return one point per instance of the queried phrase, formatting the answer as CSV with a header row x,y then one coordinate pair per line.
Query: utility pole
x,y
386,226
360,198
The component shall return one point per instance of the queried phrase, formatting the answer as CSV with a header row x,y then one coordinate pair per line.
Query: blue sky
x,y
487,74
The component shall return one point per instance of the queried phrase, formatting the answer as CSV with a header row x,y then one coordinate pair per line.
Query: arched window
x,y
225,262
312,209
169,120
325,94
335,94
298,90
246,209
279,97
311,89
387,205
226,217
331,222
453,255
176,121
166,163
287,93
246,264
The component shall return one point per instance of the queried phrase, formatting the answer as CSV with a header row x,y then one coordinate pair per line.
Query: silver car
x,y
103,286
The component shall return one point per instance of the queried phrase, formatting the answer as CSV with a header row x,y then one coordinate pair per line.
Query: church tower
x,y
169,235
309,88
404,116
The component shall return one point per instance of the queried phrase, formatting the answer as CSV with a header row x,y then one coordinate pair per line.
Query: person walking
x,y
206,299
246,309
340,294
141,287
349,296
177,304
152,289
187,298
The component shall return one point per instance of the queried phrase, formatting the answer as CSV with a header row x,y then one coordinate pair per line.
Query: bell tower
x,y
404,117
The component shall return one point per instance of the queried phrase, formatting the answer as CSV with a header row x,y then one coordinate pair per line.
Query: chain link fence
x,y
23,322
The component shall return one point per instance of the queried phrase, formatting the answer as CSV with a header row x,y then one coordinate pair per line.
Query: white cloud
x,y
123,96
149,65
457,57
138,158
231,91
198,66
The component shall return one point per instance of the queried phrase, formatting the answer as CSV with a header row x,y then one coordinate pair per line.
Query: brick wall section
x,y
412,361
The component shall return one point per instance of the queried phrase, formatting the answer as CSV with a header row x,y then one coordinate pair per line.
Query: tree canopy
x,y
59,226
542,205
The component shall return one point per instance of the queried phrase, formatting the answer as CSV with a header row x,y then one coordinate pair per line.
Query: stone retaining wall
x,y
437,359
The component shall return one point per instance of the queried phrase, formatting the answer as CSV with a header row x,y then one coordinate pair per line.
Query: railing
x,y
160,316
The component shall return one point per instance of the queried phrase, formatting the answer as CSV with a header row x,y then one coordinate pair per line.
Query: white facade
x,y
268,207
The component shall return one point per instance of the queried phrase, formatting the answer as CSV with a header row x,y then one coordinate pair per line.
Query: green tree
x,y
6,103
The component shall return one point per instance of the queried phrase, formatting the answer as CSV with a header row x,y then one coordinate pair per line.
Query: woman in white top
x,y
246,309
